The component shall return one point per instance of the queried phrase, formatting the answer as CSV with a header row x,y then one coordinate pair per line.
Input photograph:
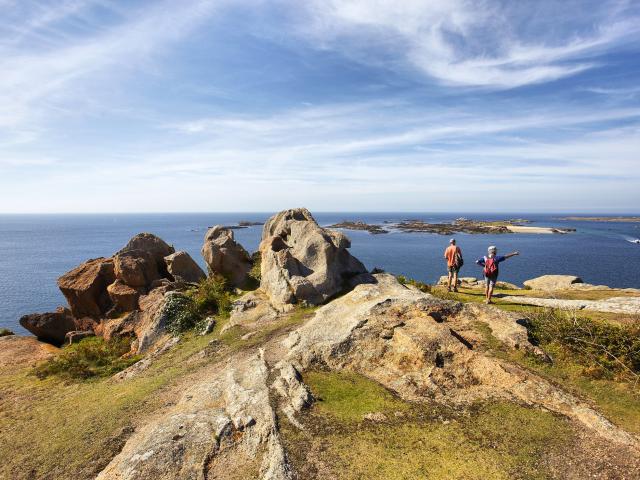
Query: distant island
x,y
357,225
602,219
242,224
460,225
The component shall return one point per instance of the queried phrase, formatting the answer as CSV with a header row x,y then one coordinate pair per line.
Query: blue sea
x,y
36,249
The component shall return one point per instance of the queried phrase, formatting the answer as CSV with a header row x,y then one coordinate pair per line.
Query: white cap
x,y
492,249
453,240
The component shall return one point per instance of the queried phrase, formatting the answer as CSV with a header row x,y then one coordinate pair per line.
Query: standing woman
x,y
490,264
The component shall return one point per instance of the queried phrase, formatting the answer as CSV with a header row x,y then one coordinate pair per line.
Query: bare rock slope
x,y
423,348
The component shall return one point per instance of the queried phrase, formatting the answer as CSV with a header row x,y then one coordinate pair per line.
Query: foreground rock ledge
x,y
421,347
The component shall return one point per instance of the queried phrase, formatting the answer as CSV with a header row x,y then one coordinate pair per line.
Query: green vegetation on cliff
x,y
91,357
406,441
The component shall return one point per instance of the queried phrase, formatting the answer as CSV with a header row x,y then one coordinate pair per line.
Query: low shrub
x,y
255,273
212,295
4,332
91,357
605,349
182,313
423,287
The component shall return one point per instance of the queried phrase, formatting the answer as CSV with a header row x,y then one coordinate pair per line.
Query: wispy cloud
x,y
350,104
33,80
467,43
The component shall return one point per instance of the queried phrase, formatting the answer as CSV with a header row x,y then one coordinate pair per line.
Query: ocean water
x,y
36,249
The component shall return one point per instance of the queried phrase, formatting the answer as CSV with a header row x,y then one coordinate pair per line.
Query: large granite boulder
x,y
150,243
183,268
50,327
123,296
136,268
225,256
552,282
85,287
303,262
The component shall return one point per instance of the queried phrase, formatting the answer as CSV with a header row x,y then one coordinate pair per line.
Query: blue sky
x,y
352,105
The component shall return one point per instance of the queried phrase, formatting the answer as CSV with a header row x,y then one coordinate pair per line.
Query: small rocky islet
x,y
238,409
459,225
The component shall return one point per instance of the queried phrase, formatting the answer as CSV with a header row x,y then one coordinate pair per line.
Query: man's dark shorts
x,y
491,281
453,269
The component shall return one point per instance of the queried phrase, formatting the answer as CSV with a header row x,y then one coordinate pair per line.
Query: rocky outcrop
x,y
622,305
77,335
85,287
124,297
121,295
183,268
425,348
224,256
157,248
223,423
136,268
251,311
50,327
302,262
147,325
552,282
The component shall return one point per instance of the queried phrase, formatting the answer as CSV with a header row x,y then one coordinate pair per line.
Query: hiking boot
x,y
455,289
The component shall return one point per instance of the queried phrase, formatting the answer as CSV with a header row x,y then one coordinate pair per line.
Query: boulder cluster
x,y
300,262
102,290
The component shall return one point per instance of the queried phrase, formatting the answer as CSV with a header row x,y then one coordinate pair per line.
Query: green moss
x,y
4,332
348,396
91,357
489,441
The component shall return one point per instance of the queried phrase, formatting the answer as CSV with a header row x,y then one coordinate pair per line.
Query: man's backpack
x,y
490,267
459,261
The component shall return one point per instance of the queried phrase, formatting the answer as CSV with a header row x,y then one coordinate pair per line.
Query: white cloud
x,y
461,42
32,80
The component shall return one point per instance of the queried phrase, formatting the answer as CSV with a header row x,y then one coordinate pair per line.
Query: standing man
x,y
453,255
490,264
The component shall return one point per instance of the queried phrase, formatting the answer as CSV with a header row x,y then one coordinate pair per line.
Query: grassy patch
x,y
4,332
348,396
423,287
606,350
54,429
491,440
91,357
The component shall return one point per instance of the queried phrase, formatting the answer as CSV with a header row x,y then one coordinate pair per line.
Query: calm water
x,y
37,249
